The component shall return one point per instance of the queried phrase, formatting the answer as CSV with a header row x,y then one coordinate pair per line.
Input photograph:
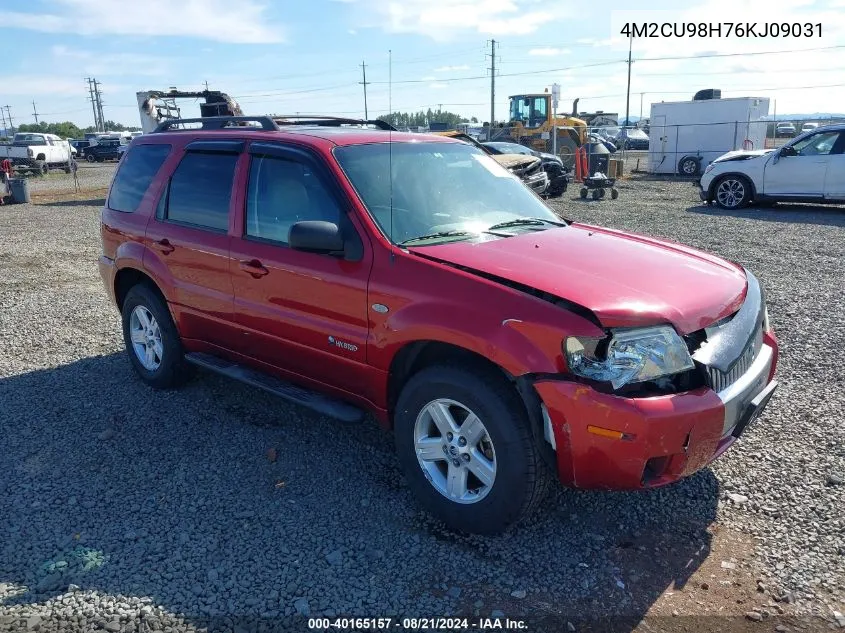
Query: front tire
x,y
465,445
151,339
91,158
732,192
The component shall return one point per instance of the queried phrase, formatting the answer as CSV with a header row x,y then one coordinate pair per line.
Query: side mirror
x,y
788,150
315,236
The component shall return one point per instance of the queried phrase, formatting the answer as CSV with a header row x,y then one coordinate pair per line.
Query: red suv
x,y
353,269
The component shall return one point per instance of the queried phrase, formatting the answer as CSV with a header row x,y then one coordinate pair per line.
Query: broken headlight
x,y
636,355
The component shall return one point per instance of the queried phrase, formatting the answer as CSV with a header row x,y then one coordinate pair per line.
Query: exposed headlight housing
x,y
636,355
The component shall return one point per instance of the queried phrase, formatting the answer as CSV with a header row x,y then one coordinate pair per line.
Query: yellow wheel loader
x,y
532,123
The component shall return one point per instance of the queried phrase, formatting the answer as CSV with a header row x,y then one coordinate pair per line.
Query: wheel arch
x,y
415,356
126,278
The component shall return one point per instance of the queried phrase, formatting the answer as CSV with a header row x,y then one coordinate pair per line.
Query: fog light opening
x,y
654,469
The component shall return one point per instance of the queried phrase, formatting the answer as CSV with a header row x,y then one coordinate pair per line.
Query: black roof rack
x,y
328,121
217,123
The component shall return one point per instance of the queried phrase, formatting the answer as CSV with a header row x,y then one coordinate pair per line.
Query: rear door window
x,y
200,190
134,176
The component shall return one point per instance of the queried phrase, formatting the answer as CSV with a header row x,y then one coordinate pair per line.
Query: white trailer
x,y
686,136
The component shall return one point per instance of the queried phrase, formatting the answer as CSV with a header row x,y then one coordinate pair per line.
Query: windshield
x,y
438,188
29,138
530,111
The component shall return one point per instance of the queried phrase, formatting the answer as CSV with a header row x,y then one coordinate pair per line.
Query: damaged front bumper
x,y
612,442
538,182
605,440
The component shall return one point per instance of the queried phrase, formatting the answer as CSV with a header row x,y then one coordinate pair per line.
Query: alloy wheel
x,y
145,334
730,193
455,451
688,167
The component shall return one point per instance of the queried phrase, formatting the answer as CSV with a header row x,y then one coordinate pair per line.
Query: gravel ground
x,y
129,509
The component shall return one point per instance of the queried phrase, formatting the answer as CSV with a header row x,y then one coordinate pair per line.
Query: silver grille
x,y
722,380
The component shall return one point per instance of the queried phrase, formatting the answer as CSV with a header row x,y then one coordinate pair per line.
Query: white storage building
x,y
685,136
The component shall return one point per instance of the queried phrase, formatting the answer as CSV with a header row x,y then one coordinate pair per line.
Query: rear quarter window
x,y
137,170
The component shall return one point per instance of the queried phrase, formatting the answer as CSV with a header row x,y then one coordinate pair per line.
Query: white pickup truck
x,y
40,151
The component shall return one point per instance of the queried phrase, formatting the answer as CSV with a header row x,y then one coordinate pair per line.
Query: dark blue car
x,y
102,151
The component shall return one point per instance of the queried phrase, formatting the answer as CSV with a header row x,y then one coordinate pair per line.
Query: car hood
x,y
743,154
515,161
625,280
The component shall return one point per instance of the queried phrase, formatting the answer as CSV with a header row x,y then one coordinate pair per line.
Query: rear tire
x,y
520,477
147,321
583,193
689,166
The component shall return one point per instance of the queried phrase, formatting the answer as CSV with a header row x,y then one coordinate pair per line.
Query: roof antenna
x,y
390,140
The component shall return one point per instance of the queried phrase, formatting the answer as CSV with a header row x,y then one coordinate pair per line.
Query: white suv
x,y
810,168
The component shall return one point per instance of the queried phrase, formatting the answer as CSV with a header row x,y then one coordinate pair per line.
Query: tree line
x,y
66,129
424,118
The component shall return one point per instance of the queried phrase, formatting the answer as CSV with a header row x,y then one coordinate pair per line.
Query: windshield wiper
x,y
431,236
524,222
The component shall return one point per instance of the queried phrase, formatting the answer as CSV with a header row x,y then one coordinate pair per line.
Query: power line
x,y
746,72
727,89
285,92
350,71
748,54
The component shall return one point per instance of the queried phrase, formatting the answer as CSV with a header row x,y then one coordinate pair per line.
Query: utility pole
x,y
206,86
3,118
99,105
35,113
365,82
641,104
93,103
9,117
628,96
492,86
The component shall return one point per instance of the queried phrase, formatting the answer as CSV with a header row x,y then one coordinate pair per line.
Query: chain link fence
x,y
686,150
